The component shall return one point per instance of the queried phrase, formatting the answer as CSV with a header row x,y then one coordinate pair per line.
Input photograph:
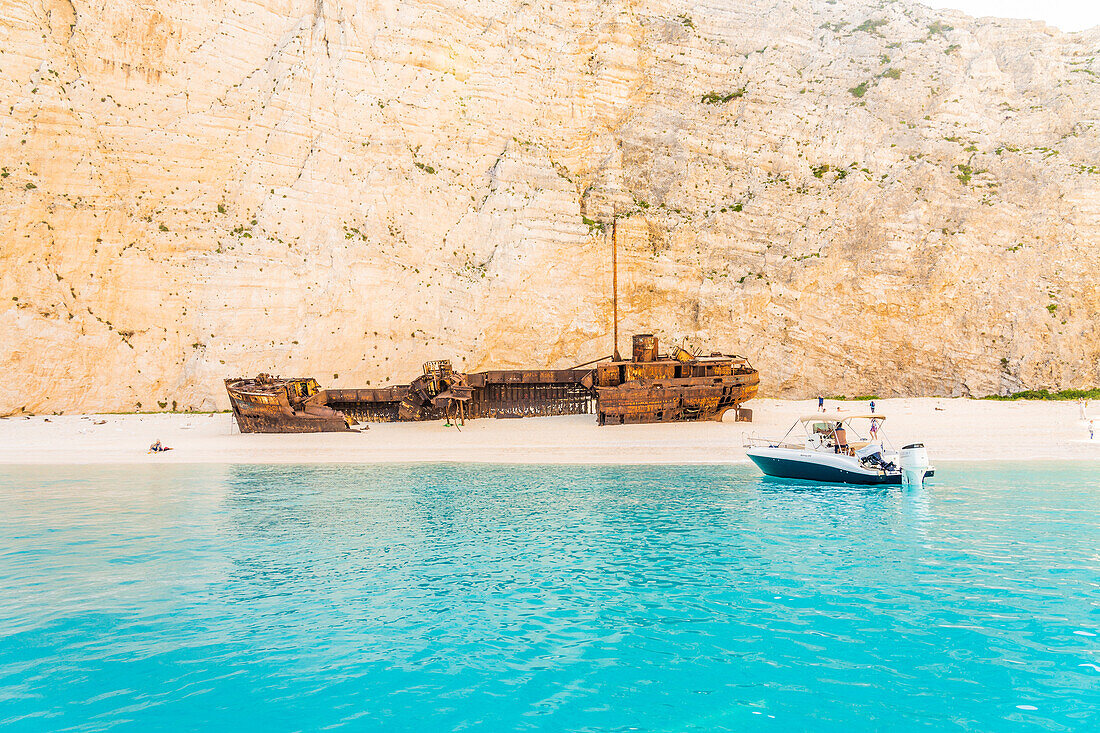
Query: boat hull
x,y
820,467
290,424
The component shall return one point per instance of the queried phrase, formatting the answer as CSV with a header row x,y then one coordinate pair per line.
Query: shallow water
x,y
450,597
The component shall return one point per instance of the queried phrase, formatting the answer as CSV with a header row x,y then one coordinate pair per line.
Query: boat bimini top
x,y
821,432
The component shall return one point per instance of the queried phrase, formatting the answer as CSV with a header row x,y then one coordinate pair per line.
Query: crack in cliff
x,y
319,19
305,161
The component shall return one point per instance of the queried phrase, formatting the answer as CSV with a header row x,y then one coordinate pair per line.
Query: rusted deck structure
x,y
502,393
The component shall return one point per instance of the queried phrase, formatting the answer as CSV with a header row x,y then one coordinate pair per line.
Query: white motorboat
x,y
845,449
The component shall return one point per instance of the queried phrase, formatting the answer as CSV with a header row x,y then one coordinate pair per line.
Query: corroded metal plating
x,y
270,404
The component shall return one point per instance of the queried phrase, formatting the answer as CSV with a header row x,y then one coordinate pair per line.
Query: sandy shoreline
x,y
953,429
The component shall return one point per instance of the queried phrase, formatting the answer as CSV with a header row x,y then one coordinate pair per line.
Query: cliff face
x,y
861,197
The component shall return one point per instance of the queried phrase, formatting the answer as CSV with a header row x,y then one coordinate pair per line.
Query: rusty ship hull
x,y
667,400
679,387
269,404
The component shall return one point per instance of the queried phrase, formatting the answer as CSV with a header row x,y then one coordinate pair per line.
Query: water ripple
x,y
578,598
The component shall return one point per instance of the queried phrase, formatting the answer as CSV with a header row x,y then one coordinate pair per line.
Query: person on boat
x,y
874,426
841,438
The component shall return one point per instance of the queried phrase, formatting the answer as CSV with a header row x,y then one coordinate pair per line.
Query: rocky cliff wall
x,y
861,197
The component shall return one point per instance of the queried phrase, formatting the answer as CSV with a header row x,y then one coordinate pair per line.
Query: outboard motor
x,y
914,464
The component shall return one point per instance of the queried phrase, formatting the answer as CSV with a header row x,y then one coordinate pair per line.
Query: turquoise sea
x,y
547,598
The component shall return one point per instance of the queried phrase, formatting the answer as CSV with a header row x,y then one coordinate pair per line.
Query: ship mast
x,y
615,284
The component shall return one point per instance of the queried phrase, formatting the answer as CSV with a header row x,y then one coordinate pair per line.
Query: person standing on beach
x,y
1090,429
872,407
821,404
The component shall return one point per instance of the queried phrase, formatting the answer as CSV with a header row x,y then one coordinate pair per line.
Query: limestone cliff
x,y
862,197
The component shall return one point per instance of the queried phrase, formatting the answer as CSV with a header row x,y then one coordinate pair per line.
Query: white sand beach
x,y
953,429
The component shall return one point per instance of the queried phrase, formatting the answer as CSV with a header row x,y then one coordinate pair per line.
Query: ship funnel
x,y
645,348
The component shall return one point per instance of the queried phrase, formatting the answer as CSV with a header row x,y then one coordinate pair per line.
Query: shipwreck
x,y
646,388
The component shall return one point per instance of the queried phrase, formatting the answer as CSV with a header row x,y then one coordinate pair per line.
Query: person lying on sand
x,y
158,448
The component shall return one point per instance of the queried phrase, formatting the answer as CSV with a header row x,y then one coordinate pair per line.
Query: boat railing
x,y
753,441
